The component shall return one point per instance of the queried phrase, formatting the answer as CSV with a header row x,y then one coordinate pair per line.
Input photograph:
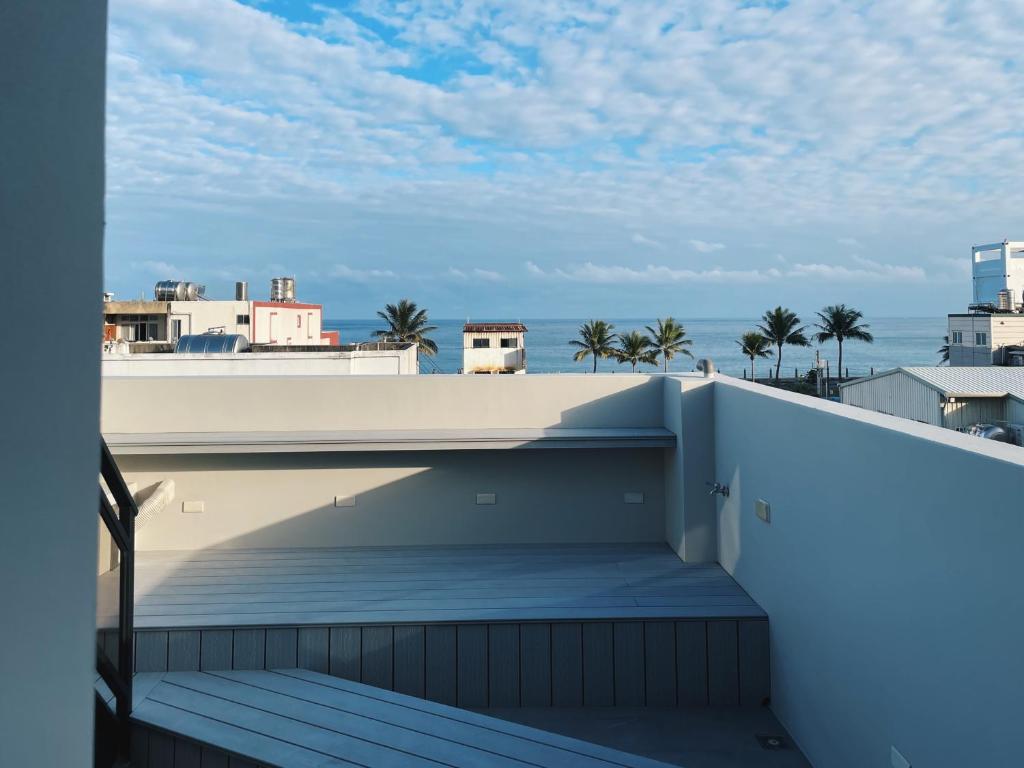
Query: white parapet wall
x,y
309,496
890,571
361,362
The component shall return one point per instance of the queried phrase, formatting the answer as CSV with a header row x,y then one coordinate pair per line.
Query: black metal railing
x,y
114,633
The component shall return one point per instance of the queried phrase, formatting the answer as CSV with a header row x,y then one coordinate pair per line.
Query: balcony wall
x,y
401,497
890,573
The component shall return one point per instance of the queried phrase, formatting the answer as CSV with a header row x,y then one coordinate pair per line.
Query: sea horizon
x,y
899,341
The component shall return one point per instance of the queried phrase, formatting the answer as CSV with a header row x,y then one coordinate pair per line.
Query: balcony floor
x,y
295,587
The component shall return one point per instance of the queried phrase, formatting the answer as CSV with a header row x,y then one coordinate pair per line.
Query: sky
x,y
565,158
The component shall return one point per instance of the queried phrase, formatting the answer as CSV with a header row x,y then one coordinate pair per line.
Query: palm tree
x,y
754,345
596,339
635,348
669,340
407,322
944,350
781,326
841,322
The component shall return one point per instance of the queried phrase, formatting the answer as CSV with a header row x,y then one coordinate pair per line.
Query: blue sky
x,y
566,158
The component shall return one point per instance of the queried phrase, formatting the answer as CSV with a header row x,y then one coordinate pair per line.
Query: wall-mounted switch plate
x,y
763,510
898,760
344,501
487,498
191,507
633,497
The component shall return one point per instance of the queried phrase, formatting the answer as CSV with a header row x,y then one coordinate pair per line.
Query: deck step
x,y
294,717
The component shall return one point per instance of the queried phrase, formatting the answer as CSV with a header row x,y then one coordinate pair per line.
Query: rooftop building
x,y
180,309
494,348
954,397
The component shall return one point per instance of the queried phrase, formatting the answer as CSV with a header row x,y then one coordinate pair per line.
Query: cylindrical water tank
x,y
178,290
241,291
282,289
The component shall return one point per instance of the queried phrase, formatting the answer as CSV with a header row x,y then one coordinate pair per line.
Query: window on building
x,y
508,343
981,339
481,343
298,321
957,337
141,328
242,320
175,330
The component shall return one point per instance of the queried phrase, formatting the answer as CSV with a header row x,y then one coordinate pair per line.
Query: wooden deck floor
x,y
297,587
300,718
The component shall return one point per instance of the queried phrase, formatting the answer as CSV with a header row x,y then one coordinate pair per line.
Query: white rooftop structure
x,y
996,268
964,381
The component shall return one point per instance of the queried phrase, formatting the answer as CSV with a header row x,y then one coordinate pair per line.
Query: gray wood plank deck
x,y
422,585
302,718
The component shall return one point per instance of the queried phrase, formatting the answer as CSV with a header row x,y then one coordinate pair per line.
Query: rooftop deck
x,y
295,587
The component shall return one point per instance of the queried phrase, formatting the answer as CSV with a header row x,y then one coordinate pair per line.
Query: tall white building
x,y
992,331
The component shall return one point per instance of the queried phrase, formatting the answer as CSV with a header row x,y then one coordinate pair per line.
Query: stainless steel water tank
x,y
282,289
211,344
178,290
241,291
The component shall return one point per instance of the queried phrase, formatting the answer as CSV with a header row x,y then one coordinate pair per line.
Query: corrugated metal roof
x,y
994,381
494,328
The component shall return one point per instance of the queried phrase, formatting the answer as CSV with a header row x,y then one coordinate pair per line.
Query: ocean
x,y
898,341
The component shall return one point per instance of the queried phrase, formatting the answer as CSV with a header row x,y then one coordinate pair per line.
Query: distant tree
x,y
669,339
754,345
841,323
635,348
407,323
596,339
944,350
781,326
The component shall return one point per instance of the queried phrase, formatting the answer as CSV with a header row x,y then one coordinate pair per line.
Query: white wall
x,y
225,404
403,498
891,573
691,525
52,60
357,363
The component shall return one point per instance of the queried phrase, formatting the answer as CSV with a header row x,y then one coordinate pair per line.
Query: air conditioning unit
x,y
1016,434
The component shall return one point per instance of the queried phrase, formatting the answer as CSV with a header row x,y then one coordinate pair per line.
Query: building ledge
x,y
388,440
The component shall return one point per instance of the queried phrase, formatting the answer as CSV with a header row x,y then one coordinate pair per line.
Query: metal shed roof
x,y
962,381
494,328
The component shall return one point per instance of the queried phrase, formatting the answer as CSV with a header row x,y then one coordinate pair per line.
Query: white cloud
x,y
160,269
640,239
345,272
557,127
704,247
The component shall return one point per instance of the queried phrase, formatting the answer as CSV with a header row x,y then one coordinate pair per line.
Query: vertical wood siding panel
x,y
598,665
629,663
503,663
755,663
567,665
439,671
314,649
723,682
535,665
282,648
346,652
150,651
471,673
378,656
660,663
183,651
215,649
692,663
409,649
250,646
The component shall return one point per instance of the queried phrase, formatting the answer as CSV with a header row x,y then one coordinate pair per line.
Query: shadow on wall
x,y
405,498
324,499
